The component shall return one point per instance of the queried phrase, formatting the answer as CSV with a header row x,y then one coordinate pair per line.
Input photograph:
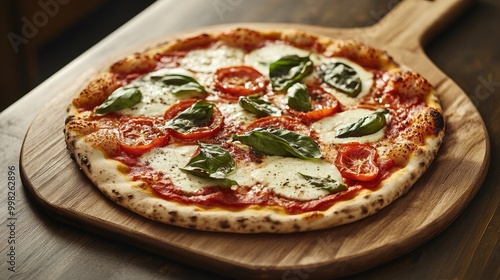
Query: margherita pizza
x,y
255,131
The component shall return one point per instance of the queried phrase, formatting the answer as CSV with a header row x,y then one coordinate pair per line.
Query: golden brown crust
x,y
92,146
96,91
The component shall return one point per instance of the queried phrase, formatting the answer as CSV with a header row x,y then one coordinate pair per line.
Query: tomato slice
x,y
323,105
286,122
210,128
140,134
357,161
239,81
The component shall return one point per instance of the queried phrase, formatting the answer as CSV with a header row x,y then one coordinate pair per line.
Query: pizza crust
x,y
91,149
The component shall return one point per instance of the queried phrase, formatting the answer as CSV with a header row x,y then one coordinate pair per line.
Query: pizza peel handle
x,y
413,23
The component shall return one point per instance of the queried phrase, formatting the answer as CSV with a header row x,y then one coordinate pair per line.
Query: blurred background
x,y
39,37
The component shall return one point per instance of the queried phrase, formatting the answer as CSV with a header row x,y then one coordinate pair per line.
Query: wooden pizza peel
x,y
55,184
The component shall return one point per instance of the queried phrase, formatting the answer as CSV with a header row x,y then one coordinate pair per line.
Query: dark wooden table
x,y
467,51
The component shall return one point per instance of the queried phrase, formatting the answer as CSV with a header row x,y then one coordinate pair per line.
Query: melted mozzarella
x,y
156,98
327,127
170,158
366,78
261,58
235,114
209,60
281,174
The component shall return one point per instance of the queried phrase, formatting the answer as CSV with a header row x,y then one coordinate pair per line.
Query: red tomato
x,y
211,128
286,122
140,134
323,105
239,81
357,161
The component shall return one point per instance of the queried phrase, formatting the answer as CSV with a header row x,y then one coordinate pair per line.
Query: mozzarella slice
x,y
281,174
156,98
261,58
170,158
211,59
327,127
235,114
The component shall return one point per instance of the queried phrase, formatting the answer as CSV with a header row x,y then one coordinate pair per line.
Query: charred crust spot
x,y
381,201
438,120
172,220
296,227
346,211
224,224
364,210
241,220
130,196
85,161
413,175
68,119
117,194
193,219
350,217
367,196
172,213
422,164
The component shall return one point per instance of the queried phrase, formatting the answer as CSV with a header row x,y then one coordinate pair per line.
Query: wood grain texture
x,y
318,252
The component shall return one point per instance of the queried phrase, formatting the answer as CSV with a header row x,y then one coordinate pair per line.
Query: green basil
x,y
181,85
259,107
299,98
213,163
198,114
121,98
342,77
328,184
364,126
288,70
280,142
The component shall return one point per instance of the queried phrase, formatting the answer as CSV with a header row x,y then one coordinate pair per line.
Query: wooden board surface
x,y
54,182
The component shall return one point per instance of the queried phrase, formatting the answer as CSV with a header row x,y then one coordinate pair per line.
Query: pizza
x,y
250,131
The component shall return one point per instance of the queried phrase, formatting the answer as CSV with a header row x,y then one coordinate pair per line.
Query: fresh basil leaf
x,y
198,114
181,85
280,142
121,98
298,97
288,70
342,77
258,106
212,162
328,183
364,126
